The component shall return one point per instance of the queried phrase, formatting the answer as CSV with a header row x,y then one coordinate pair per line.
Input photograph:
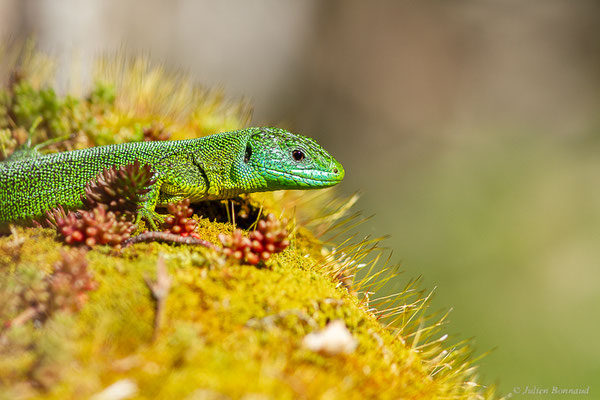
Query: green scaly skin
x,y
219,166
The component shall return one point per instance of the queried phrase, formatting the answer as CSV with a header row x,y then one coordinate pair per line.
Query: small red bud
x,y
252,259
77,236
257,235
262,225
256,246
269,237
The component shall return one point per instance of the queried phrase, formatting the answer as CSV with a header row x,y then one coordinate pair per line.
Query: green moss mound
x,y
227,330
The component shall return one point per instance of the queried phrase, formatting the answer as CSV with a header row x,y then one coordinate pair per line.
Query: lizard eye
x,y
298,155
247,154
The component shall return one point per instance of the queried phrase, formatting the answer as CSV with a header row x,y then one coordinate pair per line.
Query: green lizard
x,y
219,166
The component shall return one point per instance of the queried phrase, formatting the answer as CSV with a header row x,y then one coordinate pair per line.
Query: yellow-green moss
x,y
207,340
228,329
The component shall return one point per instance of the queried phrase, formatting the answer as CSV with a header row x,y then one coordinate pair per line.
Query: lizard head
x,y
283,160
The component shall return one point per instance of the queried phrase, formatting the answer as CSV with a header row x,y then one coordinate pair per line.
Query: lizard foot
x,y
152,218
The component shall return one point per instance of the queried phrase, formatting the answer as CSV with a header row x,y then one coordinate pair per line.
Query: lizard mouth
x,y
305,179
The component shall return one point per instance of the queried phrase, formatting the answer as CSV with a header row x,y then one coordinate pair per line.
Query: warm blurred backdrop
x,y
472,130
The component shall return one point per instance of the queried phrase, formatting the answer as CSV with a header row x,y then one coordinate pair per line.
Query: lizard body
x,y
218,166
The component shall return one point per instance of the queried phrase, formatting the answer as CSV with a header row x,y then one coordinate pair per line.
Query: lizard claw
x,y
152,218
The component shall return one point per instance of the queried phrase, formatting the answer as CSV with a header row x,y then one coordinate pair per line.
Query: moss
x,y
207,340
228,329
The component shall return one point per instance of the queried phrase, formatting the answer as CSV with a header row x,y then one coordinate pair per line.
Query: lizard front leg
x,y
176,178
147,212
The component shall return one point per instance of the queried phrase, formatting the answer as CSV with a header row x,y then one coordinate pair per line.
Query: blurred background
x,y
472,130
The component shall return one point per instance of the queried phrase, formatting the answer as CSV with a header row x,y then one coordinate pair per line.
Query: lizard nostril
x,y
335,171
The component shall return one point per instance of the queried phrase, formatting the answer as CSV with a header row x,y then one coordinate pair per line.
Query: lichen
x,y
228,329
